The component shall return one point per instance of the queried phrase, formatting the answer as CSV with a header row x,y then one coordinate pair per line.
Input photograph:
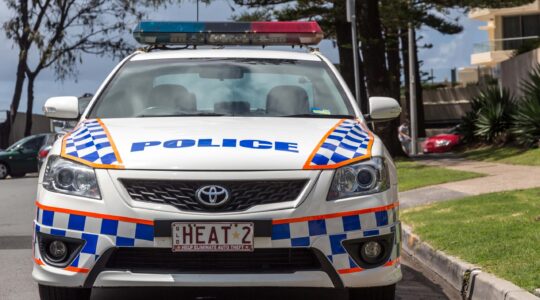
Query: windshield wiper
x,y
208,114
320,116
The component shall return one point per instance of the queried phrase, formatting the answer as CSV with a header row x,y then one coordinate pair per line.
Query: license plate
x,y
212,237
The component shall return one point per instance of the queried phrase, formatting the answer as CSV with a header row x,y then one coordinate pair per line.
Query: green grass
x,y
507,155
499,232
413,175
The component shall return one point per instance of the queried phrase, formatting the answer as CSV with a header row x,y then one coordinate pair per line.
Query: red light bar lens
x,y
286,27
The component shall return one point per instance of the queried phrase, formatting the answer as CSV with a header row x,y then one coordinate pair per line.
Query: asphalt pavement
x,y
17,197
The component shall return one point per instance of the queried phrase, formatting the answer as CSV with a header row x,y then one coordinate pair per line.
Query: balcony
x,y
493,52
486,14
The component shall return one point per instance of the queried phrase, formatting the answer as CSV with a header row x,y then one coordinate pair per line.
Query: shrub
x,y
467,126
490,117
526,119
495,115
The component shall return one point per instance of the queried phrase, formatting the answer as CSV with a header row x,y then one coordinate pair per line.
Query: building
x,y
508,29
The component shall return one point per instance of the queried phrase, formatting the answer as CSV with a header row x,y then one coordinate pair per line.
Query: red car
x,y
441,143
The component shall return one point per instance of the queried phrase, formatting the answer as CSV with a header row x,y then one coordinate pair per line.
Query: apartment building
x,y
508,29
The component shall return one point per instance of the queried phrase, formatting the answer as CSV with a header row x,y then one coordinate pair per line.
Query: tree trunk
x,y
19,82
405,101
364,100
30,105
373,48
343,39
4,132
419,95
346,65
394,67
377,75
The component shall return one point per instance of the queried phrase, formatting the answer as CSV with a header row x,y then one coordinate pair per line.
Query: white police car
x,y
219,168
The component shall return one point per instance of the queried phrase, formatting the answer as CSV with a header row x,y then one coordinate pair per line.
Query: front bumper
x,y
314,223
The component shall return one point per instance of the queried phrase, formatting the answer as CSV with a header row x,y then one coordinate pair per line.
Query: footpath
x,y
465,277
499,178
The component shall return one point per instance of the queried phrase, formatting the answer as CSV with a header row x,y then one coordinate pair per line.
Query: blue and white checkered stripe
x,y
90,143
328,233
94,231
347,142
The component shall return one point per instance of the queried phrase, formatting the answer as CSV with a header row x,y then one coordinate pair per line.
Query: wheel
x,y
373,293
4,171
61,293
20,175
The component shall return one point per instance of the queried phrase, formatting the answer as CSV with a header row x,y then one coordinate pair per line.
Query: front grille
x,y
243,194
260,260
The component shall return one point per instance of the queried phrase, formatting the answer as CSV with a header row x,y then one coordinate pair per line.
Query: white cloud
x,y
451,51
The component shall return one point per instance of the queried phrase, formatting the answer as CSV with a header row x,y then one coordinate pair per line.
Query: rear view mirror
x,y
383,109
62,108
221,72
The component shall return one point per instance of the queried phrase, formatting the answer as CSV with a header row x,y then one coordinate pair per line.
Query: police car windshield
x,y
223,87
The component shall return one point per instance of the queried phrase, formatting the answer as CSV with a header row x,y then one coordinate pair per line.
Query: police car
x,y
197,165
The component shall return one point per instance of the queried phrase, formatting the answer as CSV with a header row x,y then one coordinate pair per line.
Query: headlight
x,y
368,177
442,143
67,177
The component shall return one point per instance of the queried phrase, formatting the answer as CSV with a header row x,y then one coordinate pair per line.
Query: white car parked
x,y
219,168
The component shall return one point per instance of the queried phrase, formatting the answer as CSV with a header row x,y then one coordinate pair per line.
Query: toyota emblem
x,y
212,195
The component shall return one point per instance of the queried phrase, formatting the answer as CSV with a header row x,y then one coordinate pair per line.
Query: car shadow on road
x,y
415,286
163,293
33,175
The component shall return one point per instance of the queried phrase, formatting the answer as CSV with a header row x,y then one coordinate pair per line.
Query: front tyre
x,y
61,293
373,293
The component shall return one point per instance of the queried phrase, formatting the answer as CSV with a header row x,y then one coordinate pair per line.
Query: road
x,y
17,198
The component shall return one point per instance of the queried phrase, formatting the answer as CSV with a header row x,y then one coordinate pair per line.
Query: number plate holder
x,y
212,236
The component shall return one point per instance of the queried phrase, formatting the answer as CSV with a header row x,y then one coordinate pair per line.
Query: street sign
x,y
351,10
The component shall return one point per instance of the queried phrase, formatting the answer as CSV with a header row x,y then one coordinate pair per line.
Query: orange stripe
x,y
113,145
94,215
358,269
308,161
351,270
91,164
345,162
77,270
390,263
335,215
38,261
69,268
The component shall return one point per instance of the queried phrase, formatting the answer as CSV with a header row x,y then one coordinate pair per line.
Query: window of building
x,y
518,30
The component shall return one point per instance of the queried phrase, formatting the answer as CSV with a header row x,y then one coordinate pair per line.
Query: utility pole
x,y
351,17
412,89
197,10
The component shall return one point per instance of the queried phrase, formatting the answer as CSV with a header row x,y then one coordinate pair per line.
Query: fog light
x,y
371,251
57,251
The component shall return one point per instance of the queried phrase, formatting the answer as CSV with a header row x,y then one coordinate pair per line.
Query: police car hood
x,y
216,143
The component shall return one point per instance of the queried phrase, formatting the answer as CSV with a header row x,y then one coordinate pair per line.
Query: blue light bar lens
x,y
169,27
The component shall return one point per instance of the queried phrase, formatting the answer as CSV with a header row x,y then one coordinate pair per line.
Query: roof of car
x,y
226,53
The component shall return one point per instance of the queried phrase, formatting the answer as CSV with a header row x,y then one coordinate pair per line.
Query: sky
x,y
449,51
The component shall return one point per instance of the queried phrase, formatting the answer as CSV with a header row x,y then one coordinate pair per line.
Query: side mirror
x,y
383,109
62,108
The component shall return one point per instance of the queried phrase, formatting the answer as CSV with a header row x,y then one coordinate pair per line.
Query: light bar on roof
x,y
228,33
